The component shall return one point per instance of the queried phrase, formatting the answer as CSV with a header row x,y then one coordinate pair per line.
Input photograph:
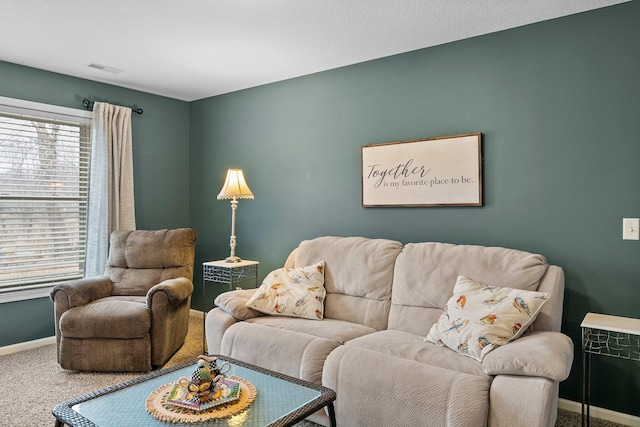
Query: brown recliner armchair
x,y
135,316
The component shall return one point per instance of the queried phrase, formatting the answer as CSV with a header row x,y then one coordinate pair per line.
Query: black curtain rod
x,y
89,104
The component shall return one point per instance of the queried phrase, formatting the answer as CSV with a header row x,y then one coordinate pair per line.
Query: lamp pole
x,y
232,240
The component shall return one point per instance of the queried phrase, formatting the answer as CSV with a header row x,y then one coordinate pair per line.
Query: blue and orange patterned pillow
x,y
479,317
295,292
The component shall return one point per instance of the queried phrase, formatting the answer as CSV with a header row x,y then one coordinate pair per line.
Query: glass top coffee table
x,y
281,400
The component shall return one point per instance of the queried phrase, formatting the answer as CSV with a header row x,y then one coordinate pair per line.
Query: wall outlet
x,y
631,228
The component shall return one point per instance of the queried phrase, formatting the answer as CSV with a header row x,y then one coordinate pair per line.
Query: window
x,y
44,164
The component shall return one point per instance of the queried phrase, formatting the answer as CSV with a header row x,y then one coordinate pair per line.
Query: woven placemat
x,y
157,405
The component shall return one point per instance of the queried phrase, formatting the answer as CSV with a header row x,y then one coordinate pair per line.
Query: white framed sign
x,y
442,171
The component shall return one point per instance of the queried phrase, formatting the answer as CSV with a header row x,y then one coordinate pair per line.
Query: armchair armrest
x,y
539,354
235,304
75,293
177,290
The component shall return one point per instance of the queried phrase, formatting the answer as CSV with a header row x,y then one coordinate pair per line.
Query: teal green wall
x,y
558,104
161,168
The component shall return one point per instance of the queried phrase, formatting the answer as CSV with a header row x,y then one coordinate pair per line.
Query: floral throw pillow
x,y
479,317
295,292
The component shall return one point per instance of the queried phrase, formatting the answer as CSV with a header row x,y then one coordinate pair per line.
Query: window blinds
x,y
43,199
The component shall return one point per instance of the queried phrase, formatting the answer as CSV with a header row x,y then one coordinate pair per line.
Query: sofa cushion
x,y
290,345
379,389
291,353
294,292
337,330
425,274
408,346
358,276
479,317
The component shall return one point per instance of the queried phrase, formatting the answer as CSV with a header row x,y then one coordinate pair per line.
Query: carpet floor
x,y
34,383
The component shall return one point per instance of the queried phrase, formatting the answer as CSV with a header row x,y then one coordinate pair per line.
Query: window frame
x,y
44,111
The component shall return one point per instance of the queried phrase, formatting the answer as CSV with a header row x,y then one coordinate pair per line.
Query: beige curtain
x,y
111,199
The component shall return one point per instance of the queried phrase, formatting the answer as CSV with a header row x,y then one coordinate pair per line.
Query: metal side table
x,y
229,273
608,336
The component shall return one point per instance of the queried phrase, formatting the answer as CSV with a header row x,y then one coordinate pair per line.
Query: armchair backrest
x,y
140,259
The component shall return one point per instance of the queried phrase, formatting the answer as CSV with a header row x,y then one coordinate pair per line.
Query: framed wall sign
x,y
443,171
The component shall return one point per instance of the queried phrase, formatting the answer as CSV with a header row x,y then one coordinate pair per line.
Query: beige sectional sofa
x,y
382,299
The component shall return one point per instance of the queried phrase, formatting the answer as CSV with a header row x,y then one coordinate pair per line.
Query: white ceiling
x,y
193,49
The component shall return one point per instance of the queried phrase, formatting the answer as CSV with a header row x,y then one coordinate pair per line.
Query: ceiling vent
x,y
105,68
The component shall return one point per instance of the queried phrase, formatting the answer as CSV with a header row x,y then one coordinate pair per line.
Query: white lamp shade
x,y
235,186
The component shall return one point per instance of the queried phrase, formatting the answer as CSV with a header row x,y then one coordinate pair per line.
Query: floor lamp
x,y
234,188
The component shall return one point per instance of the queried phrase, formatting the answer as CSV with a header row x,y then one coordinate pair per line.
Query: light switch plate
x,y
631,228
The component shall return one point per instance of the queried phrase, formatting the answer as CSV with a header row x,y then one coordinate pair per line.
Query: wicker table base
x,y
157,405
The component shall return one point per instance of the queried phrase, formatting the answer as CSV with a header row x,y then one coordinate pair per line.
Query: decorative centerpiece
x,y
207,387
208,394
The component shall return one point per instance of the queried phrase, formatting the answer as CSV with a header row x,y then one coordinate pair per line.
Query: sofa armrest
x,y
235,304
75,293
539,354
216,324
177,290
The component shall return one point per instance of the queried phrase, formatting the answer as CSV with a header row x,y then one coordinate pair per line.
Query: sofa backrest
x,y
358,276
141,259
425,275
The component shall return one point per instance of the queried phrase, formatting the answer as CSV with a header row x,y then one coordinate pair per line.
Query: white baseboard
x,y
27,345
603,414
